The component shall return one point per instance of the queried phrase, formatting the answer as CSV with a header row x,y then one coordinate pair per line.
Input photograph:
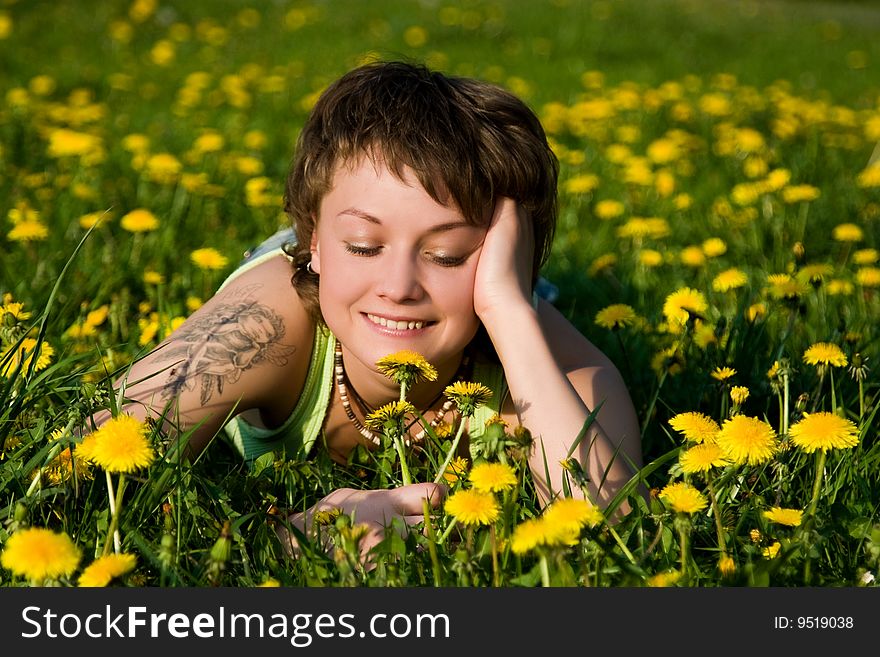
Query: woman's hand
x,y
374,508
504,271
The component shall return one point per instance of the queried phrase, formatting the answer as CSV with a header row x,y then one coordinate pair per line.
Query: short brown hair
x,y
476,139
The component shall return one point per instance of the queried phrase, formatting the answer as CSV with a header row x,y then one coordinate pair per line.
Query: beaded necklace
x,y
339,375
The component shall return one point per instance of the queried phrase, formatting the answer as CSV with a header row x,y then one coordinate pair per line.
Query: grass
x,y
680,111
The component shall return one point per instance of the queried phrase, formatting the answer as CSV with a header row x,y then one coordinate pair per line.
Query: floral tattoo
x,y
216,348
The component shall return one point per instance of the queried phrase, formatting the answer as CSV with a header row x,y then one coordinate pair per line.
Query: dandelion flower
x,y
609,209
681,497
13,308
662,580
119,445
800,193
25,352
866,256
153,277
528,535
739,394
473,507
468,396
208,259
771,551
104,570
847,233
618,315
788,517
455,470
824,431
406,367
723,373
714,247
492,477
702,458
695,427
681,304
729,279
825,353
390,417
602,263
726,565
570,515
39,554
747,439
139,221
28,231
269,584
868,276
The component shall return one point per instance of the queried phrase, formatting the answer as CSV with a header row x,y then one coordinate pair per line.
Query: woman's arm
x,y
247,343
556,377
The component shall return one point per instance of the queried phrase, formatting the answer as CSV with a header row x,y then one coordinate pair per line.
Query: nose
x,y
399,281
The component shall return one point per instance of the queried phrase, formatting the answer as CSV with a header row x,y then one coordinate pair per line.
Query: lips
x,y
397,324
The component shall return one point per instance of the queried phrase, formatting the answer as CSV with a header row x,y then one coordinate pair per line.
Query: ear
x,y
315,249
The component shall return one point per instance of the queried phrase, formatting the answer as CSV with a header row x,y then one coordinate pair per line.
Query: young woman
x,y
424,206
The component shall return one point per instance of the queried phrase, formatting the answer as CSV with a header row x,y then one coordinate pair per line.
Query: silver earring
x,y
309,267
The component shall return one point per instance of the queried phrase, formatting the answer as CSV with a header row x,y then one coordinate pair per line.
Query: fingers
x,y
407,500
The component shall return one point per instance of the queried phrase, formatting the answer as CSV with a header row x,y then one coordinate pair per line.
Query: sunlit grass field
x,y
718,238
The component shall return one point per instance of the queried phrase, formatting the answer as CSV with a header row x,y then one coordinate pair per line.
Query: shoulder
x,y
254,330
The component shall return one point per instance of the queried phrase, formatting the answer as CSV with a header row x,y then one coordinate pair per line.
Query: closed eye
x,y
361,250
447,261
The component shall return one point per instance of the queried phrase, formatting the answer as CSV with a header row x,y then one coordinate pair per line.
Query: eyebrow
x,y
356,212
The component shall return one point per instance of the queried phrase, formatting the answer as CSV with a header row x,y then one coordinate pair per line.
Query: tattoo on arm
x,y
216,348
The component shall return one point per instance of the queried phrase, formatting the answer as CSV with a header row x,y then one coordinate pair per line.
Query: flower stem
x,y
115,508
719,528
545,571
452,449
817,485
401,454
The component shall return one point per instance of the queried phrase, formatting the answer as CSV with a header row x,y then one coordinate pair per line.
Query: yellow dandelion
x,y
455,470
756,311
665,579
800,193
492,477
702,458
650,258
814,273
61,468
119,445
682,304
824,431
739,394
23,353
406,367
473,507
771,551
615,316
788,517
755,536
528,535
28,231
39,554
681,497
139,221
714,247
868,276
695,427
602,263
783,286
208,259
869,177
745,439
726,565
468,396
723,373
13,308
153,277
104,570
609,209
570,515
692,256
866,256
269,584
729,279
825,353
390,417
847,233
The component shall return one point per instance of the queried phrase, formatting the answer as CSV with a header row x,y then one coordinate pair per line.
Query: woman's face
x,y
397,268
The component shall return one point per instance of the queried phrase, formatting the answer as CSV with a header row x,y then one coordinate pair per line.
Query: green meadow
x,y
719,201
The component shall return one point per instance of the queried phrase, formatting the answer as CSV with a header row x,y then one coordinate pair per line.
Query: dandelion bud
x,y
798,250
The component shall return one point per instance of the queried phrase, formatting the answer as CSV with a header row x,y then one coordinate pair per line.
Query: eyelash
x,y
369,251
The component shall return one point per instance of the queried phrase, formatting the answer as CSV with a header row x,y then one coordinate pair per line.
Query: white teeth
x,y
398,326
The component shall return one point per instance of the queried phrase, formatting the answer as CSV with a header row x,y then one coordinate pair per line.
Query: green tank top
x,y
296,437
